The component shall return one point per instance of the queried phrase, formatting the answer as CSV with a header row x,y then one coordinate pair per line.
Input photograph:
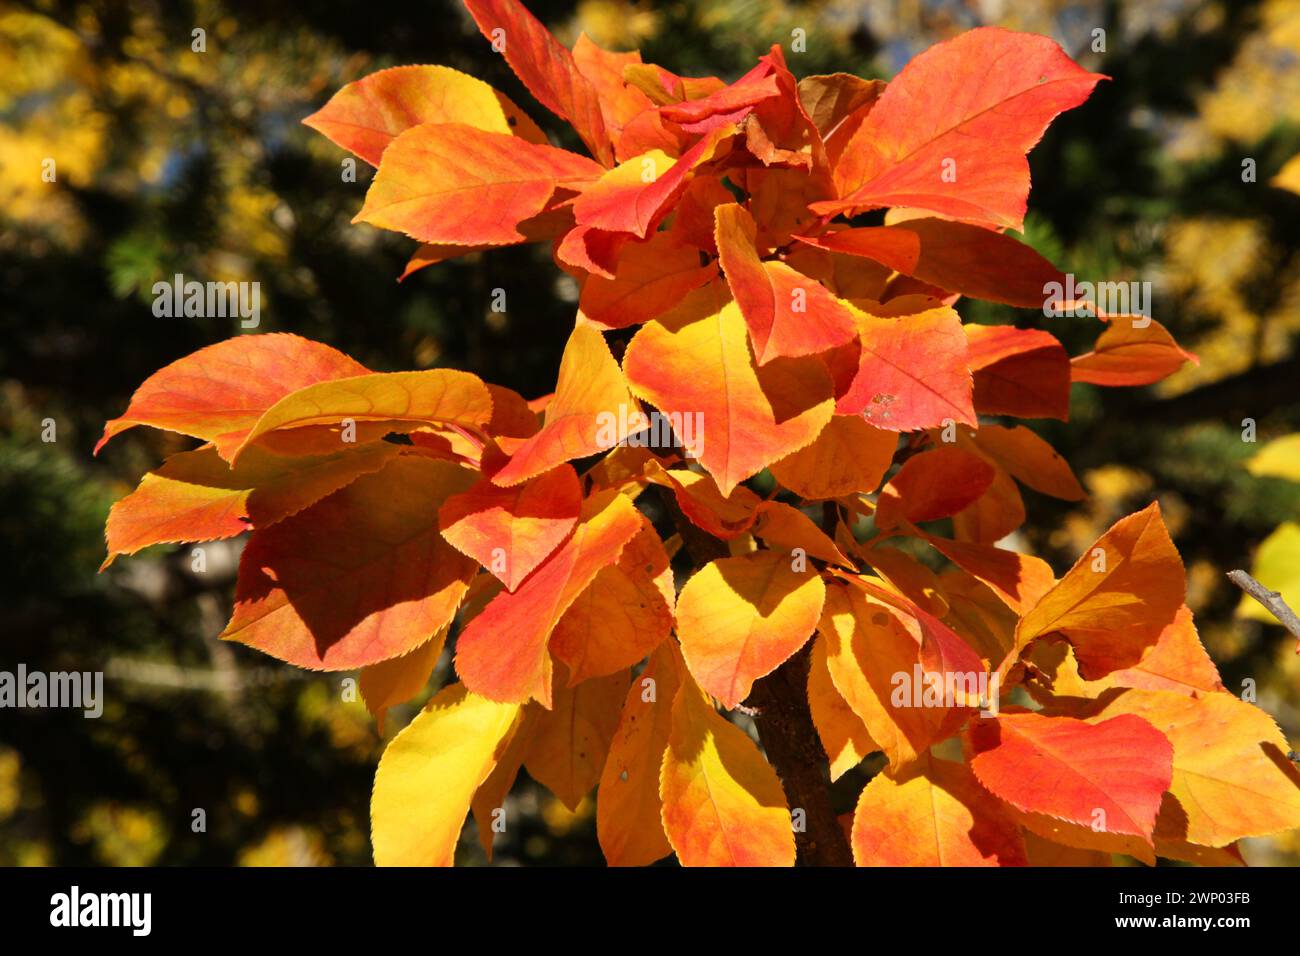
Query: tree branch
x,y
790,739
1272,600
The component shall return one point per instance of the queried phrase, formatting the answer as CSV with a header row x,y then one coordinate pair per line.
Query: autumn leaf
x,y
952,255
980,102
844,736
933,813
740,618
428,775
1021,372
1231,776
722,802
448,183
912,373
1029,459
196,496
399,679
592,411
1131,351
629,824
404,399
788,314
365,116
570,741
546,68
1109,776
1118,597
695,360
218,393
511,530
649,279
624,614
360,577
503,653
934,484
848,457
867,644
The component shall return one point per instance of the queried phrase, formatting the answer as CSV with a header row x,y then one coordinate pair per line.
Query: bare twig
x,y
1271,600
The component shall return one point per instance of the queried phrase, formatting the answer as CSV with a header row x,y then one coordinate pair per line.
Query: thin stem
x,y
1271,600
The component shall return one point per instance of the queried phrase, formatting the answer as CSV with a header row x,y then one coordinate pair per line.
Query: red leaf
x,y
981,101
1111,774
912,373
546,67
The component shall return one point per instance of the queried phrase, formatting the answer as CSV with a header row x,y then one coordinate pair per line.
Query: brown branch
x,y
1272,600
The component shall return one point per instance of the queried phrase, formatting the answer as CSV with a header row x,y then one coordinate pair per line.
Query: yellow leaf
x,y
629,823
428,775
740,618
722,802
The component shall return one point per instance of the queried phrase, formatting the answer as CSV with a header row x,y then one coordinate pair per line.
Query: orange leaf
x,y
1177,661
1020,580
867,646
934,484
589,413
980,101
569,743
740,618
619,102
502,654
365,116
788,313
933,813
651,277
722,802
848,457
912,373
218,393
1108,776
953,256
1231,777
546,68
695,361
629,823
701,502
843,735
1118,597
448,183
510,531
195,496
622,615
786,528
634,196
359,577
1129,354
1030,460
399,679
1021,372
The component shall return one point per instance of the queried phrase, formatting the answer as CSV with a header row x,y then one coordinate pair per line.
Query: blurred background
x,y
169,160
